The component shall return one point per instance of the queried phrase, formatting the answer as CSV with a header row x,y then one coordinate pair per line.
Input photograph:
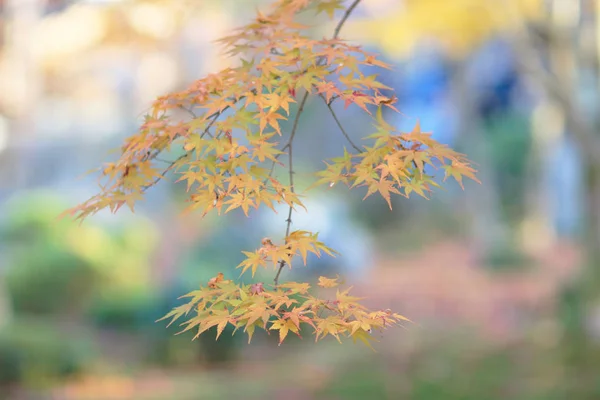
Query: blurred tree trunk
x,y
482,205
537,230
561,55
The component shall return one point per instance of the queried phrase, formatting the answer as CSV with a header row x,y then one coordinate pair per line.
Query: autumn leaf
x,y
257,288
252,262
212,283
328,282
364,337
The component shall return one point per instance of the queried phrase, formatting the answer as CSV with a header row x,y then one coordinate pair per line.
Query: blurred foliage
x,y
36,354
224,350
44,275
57,266
57,283
458,366
461,25
507,257
124,311
509,139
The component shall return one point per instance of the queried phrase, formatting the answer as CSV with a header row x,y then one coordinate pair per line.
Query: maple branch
x,y
189,111
214,117
340,24
339,124
162,175
193,114
289,142
289,147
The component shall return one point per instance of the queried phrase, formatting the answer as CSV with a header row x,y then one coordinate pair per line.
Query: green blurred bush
x,y
35,354
128,311
49,280
60,267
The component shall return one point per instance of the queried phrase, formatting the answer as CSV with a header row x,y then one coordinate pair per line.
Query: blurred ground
x,y
441,288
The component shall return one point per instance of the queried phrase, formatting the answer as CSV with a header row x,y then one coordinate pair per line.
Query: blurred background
x,y
502,279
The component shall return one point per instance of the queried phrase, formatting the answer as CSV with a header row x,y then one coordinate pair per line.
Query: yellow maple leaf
x,y
328,282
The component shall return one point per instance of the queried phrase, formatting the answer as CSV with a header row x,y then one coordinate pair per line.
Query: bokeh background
x,y
502,280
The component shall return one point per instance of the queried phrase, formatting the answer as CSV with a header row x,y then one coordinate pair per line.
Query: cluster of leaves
x,y
226,125
297,242
396,162
284,308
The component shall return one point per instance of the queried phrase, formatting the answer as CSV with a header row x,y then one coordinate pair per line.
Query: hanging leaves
x,y
227,129
248,307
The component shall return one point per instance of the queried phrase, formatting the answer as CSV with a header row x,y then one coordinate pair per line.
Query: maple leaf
x,y
384,187
330,326
252,262
306,242
344,299
250,328
282,327
364,337
328,282
372,60
212,283
270,118
257,288
262,149
293,316
329,89
259,310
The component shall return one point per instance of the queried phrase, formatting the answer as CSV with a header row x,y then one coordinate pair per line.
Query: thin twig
x,y
289,147
340,24
162,175
339,124
189,111
289,142
193,115
214,116
211,123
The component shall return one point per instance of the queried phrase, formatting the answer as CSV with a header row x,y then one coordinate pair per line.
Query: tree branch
x,y
162,175
193,114
214,117
340,24
339,124
289,147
